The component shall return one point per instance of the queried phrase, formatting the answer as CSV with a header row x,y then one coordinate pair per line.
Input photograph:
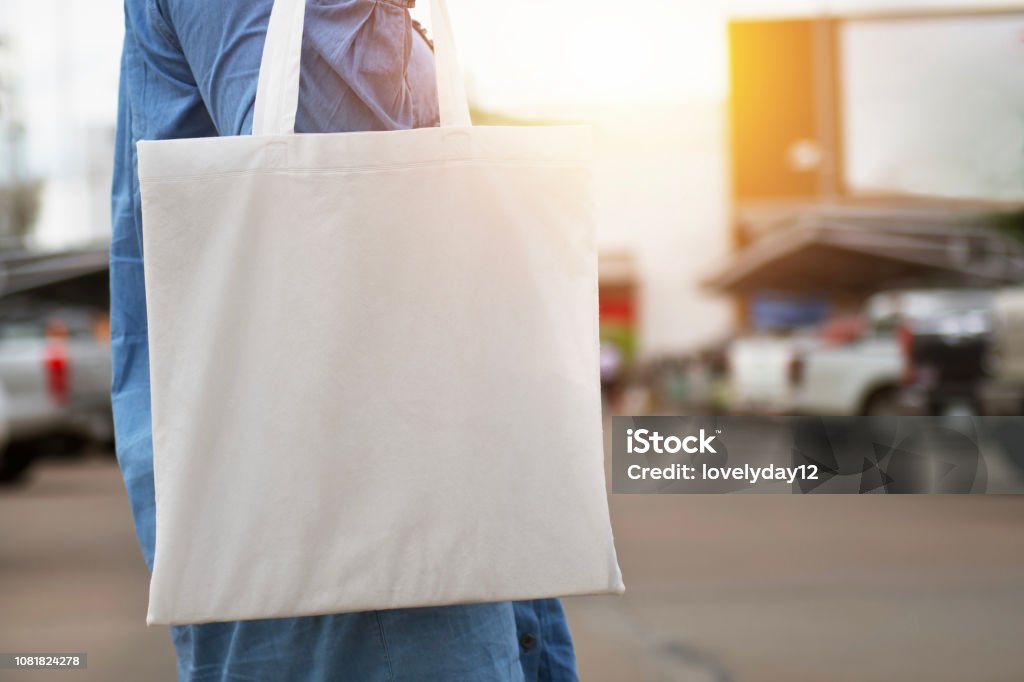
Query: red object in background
x,y
843,330
619,308
55,362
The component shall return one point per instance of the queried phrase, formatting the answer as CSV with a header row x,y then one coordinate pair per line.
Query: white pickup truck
x,y
861,377
851,366
810,373
865,375
55,379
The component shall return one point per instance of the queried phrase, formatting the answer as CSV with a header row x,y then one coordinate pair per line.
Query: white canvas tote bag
x,y
374,361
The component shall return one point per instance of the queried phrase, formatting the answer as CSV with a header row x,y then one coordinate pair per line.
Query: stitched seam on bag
x,y
367,169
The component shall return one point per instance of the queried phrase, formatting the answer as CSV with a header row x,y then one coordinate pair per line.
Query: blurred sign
x,y
934,105
927,105
778,310
777,146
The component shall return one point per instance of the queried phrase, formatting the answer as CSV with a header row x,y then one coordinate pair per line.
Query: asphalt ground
x,y
736,587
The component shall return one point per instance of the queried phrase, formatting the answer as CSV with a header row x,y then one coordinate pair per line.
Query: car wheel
x,y
15,460
884,402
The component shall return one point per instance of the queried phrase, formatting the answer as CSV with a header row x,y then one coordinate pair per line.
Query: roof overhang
x,y
860,251
22,272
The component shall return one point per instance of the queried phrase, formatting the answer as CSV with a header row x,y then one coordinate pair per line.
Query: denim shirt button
x,y
528,641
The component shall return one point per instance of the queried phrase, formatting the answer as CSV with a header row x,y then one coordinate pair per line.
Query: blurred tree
x,y
19,197
19,206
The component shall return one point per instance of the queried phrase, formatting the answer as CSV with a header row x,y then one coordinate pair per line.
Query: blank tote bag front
x,y
374,361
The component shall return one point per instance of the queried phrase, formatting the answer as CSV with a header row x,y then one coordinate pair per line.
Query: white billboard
x,y
934,105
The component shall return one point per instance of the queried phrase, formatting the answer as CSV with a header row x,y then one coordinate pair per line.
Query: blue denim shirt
x,y
189,69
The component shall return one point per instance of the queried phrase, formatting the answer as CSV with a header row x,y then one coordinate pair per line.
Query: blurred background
x,y
803,207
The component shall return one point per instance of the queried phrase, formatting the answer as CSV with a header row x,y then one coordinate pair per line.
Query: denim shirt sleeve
x,y
363,67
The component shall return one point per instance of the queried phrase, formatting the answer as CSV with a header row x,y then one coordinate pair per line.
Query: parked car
x,y
949,355
866,373
858,376
55,371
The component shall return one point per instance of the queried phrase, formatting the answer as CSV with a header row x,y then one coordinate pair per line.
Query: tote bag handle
x,y
277,91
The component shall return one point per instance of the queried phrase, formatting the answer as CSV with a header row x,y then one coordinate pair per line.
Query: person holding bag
x,y
247,594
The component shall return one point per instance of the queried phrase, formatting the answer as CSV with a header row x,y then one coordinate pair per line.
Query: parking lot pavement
x,y
744,588
72,578
801,589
